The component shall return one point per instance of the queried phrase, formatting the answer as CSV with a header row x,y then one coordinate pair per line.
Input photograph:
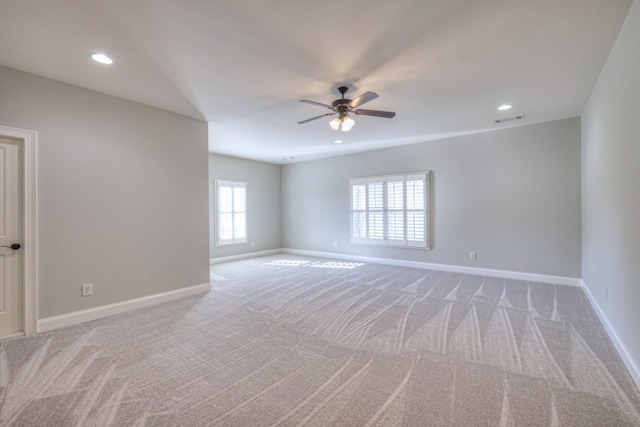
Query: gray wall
x,y
511,195
611,187
122,193
264,203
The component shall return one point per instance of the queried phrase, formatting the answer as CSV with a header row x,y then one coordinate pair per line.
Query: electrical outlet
x,y
87,290
253,244
335,244
472,255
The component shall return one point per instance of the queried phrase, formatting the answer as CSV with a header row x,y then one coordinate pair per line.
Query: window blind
x,y
390,210
231,218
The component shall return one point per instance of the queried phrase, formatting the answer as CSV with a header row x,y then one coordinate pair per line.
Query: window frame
x,y
363,184
218,183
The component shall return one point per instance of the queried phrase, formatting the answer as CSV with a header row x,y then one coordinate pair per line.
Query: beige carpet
x,y
288,340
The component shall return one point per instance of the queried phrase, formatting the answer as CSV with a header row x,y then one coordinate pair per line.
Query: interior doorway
x,y
18,238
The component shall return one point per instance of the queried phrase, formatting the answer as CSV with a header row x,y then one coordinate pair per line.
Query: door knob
x,y
14,246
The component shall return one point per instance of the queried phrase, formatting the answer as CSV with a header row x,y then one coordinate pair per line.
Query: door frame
x,y
28,144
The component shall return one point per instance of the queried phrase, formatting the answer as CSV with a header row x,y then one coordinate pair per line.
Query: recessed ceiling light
x,y
504,107
337,141
101,58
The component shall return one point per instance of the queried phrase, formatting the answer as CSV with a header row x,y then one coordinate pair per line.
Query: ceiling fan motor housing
x,y
340,103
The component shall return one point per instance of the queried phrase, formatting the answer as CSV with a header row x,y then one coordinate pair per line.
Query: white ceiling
x,y
443,65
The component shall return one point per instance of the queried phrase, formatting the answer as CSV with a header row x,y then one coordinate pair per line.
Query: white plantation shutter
x,y
390,210
395,210
375,209
231,215
416,210
225,213
359,211
240,213
359,195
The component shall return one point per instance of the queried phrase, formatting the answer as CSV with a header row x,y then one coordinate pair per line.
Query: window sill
x,y
218,245
385,245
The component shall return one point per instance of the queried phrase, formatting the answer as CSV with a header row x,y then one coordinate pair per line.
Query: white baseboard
x,y
76,317
530,277
628,360
12,336
244,256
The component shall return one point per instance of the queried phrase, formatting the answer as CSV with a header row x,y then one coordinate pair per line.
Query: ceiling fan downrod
x,y
341,105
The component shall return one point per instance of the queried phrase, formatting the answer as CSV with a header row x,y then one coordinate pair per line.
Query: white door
x,y
11,226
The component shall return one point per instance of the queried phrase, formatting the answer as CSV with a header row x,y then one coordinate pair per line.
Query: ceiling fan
x,y
343,107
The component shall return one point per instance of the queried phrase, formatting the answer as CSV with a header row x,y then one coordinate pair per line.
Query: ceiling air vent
x,y
508,119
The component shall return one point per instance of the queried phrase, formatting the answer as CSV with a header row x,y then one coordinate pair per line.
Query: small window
x,y
391,210
231,212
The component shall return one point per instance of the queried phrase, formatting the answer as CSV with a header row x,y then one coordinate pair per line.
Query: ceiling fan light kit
x,y
344,120
343,107
347,124
335,123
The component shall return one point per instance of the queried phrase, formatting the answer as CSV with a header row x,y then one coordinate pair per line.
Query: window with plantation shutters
x,y
231,212
390,210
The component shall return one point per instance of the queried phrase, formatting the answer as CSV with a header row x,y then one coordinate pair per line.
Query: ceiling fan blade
x,y
365,97
376,113
316,103
316,118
